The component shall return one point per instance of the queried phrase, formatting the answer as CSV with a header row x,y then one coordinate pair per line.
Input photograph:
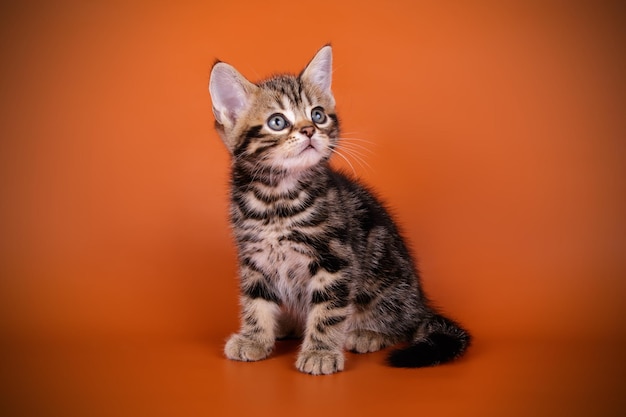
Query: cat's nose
x,y
308,130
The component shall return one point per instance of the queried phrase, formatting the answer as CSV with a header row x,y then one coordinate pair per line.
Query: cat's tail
x,y
438,340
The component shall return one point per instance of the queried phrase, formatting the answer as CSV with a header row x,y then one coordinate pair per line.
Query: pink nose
x,y
308,130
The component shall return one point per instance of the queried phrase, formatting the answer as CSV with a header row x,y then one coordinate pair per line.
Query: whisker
x,y
358,158
356,146
335,151
357,150
348,139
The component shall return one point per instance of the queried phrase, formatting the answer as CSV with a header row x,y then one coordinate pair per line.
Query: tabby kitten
x,y
319,255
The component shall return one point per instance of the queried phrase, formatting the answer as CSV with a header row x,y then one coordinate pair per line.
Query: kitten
x,y
319,255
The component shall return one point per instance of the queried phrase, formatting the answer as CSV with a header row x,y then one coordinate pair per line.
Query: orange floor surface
x,y
495,130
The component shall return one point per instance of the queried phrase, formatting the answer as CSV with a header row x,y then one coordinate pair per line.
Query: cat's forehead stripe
x,y
305,98
291,91
290,96
285,103
288,87
280,101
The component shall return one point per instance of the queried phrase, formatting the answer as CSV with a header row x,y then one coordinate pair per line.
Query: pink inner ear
x,y
228,95
323,81
319,70
231,96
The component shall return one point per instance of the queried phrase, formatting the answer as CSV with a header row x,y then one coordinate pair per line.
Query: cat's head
x,y
286,123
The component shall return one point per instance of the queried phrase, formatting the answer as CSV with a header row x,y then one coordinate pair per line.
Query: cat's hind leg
x,y
364,341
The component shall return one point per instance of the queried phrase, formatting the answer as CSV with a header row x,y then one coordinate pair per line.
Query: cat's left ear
x,y
319,72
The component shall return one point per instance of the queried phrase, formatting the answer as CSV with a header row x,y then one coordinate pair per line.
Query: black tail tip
x,y
437,349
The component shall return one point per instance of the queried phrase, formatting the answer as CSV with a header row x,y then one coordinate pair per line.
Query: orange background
x,y
496,132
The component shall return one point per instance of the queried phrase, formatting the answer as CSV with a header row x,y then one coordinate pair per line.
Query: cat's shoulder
x,y
354,185
344,179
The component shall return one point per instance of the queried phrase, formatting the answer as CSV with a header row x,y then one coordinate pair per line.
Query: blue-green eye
x,y
277,122
318,116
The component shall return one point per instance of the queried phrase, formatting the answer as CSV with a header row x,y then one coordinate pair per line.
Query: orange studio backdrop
x,y
495,131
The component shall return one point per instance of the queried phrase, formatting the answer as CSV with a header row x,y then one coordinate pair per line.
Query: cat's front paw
x,y
242,348
320,362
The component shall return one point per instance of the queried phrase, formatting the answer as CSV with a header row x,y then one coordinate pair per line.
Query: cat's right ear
x,y
230,92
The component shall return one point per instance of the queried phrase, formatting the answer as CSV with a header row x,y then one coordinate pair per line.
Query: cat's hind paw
x,y
242,348
320,362
364,341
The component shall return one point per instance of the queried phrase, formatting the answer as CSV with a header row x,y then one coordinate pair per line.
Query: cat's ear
x,y
319,72
230,92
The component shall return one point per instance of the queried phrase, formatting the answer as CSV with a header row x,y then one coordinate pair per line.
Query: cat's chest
x,y
282,260
266,226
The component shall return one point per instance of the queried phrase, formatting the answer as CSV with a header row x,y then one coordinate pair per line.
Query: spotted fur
x,y
319,255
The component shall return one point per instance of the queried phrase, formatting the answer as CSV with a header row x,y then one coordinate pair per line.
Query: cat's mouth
x,y
306,153
310,151
308,147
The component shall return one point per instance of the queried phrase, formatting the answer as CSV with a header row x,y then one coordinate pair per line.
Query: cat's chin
x,y
305,160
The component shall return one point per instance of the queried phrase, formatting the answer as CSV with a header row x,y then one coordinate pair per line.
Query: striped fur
x,y
319,255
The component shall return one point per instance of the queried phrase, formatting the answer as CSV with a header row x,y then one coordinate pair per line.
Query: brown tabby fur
x,y
319,255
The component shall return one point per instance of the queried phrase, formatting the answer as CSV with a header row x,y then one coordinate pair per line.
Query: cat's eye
x,y
318,116
277,122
